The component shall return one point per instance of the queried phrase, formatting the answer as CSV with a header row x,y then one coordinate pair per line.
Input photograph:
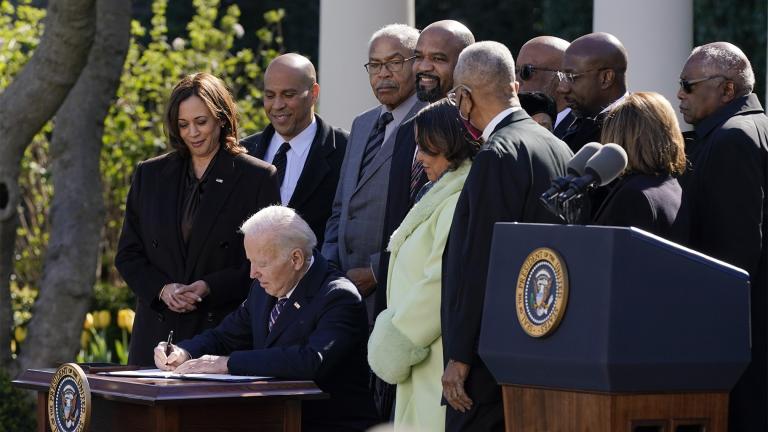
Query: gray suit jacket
x,y
353,232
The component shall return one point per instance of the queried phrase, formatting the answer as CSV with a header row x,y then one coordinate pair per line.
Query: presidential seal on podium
x,y
69,400
542,292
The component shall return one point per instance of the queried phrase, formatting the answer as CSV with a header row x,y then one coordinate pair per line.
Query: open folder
x,y
158,373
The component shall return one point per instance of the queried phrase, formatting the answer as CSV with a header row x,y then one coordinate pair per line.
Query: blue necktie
x,y
276,309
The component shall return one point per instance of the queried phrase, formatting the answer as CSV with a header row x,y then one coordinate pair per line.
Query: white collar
x,y
496,120
614,103
311,261
301,143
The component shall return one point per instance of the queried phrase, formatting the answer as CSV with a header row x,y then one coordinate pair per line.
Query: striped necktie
x,y
375,140
276,309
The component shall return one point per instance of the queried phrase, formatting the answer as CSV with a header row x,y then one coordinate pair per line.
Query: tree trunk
x,y
77,210
25,105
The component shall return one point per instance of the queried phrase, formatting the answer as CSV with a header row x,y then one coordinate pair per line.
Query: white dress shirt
x,y
296,157
496,120
398,115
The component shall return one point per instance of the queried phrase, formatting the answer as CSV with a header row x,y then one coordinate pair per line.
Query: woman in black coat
x,y
647,195
180,250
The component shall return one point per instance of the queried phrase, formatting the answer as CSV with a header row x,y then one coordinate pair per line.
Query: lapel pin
x,y
296,305
218,180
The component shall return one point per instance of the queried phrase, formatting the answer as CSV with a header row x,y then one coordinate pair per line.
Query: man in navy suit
x,y
302,320
306,150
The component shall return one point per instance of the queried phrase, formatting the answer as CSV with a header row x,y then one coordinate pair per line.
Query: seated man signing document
x,y
302,320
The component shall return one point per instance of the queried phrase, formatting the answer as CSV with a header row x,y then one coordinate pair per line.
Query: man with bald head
x,y
437,52
515,166
306,150
726,189
538,62
592,79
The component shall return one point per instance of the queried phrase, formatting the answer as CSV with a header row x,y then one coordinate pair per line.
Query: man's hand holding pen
x,y
168,356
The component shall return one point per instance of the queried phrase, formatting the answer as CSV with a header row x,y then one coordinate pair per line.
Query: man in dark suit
x,y
592,78
437,51
515,166
302,320
308,166
726,189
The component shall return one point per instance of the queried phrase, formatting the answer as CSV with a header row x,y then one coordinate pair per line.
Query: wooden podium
x,y
640,334
141,404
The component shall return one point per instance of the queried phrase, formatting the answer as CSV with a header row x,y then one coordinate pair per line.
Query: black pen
x,y
168,344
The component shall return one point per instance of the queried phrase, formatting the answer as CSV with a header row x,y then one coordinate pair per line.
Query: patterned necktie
x,y
566,126
375,140
276,309
417,169
280,161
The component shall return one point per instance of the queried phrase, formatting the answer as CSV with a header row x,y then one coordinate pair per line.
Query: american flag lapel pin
x,y
218,180
296,305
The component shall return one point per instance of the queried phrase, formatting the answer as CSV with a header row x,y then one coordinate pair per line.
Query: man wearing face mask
x,y
514,167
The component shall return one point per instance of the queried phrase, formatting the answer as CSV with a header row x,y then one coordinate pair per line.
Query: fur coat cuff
x,y
390,353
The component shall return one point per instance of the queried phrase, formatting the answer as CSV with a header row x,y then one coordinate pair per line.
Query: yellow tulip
x,y
88,323
13,346
125,319
102,319
20,334
85,339
129,317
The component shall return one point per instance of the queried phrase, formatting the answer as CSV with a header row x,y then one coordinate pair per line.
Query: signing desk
x,y
143,404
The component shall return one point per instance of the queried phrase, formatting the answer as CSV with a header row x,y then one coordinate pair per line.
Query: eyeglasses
x,y
687,85
454,95
570,77
526,72
393,65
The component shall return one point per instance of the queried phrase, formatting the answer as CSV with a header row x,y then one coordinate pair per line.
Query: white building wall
x,y
345,28
658,36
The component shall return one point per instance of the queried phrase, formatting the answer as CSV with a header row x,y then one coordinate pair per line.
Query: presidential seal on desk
x,y
542,292
69,400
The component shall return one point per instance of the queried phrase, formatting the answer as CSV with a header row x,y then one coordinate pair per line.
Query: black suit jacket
x,y
513,168
399,202
320,335
151,254
313,197
726,188
583,131
652,203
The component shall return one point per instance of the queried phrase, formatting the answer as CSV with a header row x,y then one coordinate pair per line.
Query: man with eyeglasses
x,y
592,80
538,62
515,166
353,240
306,150
726,189
437,51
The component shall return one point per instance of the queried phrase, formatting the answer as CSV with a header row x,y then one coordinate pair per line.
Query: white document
x,y
158,373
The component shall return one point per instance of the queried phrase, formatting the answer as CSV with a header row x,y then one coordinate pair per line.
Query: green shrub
x,y
17,409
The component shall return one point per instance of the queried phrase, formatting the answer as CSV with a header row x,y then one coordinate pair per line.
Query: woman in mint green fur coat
x,y
406,347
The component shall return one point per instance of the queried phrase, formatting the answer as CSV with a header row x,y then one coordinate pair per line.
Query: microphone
x,y
574,169
601,169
